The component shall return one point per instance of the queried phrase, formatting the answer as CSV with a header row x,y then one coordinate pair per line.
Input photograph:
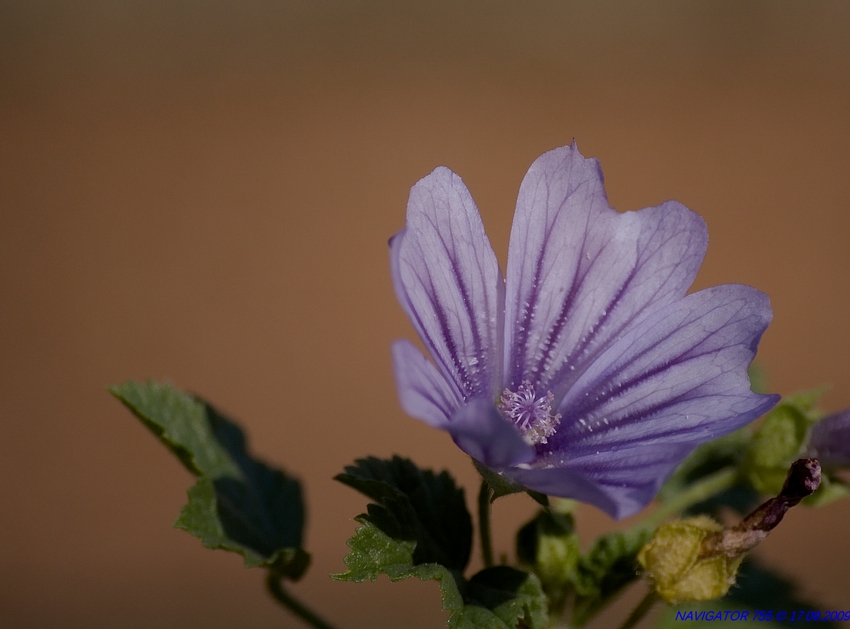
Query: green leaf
x,y
758,589
497,598
609,565
578,585
509,594
179,420
416,505
238,503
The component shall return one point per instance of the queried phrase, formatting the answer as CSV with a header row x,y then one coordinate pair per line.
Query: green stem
x,y
641,610
484,497
699,491
274,583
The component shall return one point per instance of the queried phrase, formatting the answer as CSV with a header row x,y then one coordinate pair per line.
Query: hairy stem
x,y
641,610
274,584
484,497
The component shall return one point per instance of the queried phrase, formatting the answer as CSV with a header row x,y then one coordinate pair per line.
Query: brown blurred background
x,y
203,192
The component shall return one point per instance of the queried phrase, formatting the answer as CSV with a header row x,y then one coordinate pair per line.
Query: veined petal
x,y
449,283
581,274
484,434
422,390
677,377
620,486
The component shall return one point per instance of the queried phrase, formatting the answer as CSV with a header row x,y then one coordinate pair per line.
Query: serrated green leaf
x,y
238,503
758,589
509,594
495,598
417,506
179,421
373,553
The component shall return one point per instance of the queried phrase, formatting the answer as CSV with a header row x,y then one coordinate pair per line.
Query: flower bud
x,y
697,559
673,561
830,440
551,546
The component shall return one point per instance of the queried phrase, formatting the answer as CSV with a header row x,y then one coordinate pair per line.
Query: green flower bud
x,y
779,440
673,561
550,545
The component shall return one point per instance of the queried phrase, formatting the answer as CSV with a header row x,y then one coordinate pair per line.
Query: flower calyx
x,y
697,559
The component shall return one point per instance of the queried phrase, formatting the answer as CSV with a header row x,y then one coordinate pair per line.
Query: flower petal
x,y
480,430
449,283
620,487
581,274
677,377
423,391
830,440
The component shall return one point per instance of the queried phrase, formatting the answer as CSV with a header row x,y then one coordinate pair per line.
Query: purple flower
x,y
830,440
589,373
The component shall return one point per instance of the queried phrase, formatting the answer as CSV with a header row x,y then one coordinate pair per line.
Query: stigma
x,y
531,413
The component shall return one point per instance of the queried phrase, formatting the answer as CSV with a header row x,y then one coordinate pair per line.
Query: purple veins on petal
x,y
621,486
424,392
588,373
580,273
449,283
678,376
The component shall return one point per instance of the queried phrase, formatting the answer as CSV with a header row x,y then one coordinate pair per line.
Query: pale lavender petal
x,y
480,430
679,377
620,486
449,283
581,274
830,440
423,391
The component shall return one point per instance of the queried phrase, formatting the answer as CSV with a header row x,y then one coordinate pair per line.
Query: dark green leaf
x,y
497,598
180,422
609,565
509,594
416,505
239,503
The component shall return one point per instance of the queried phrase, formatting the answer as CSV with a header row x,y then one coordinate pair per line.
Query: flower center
x,y
532,414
